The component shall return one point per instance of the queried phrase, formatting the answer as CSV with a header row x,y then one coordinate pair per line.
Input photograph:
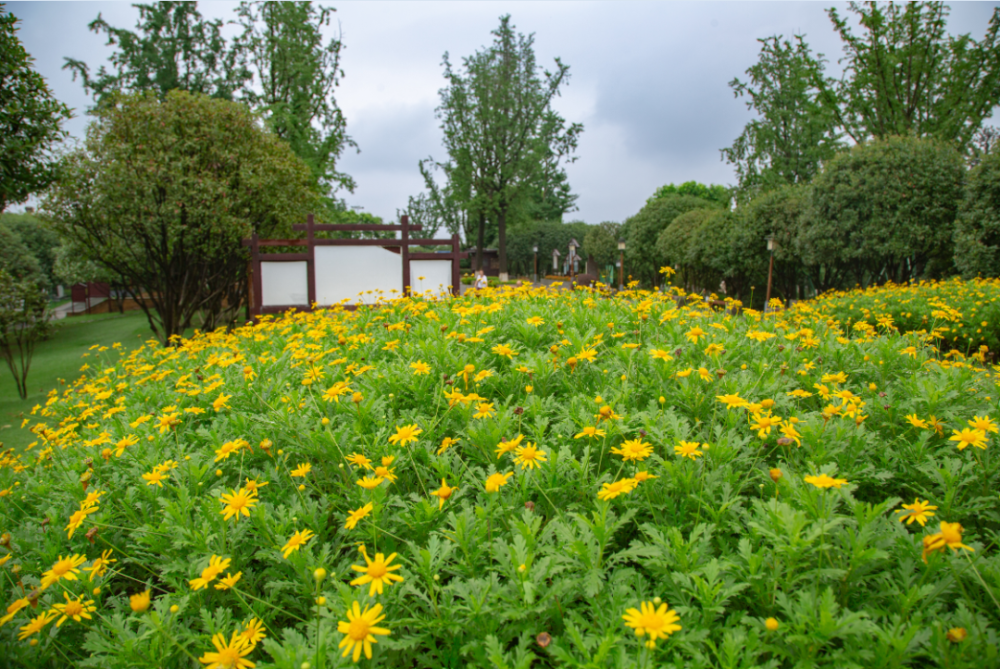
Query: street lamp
x,y
535,250
572,258
621,264
771,244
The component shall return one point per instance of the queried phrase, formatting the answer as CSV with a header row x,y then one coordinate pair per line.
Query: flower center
x,y
61,567
358,629
228,658
377,570
73,609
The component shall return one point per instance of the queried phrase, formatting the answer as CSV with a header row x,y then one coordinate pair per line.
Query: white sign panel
x,y
430,275
284,284
357,274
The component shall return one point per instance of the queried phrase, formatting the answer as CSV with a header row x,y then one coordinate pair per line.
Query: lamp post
x,y
621,264
572,258
535,250
770,270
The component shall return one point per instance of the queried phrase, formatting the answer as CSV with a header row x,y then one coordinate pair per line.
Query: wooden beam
x,y
360,227
282,257
404,237
311,263
435,256
456,274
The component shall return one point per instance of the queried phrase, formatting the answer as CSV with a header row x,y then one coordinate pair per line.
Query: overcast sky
x,y
648,81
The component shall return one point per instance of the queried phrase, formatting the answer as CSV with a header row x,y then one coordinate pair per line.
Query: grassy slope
x,y
60,358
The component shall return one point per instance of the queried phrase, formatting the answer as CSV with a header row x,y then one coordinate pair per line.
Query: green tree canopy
x,y
904,74
643,257
296,74
977,229
162,192
30,119
601,243
279,65
715,193
548,235
781,214
793,133
172,48
676,246
24,321
40,239
17,259
500,129
885,210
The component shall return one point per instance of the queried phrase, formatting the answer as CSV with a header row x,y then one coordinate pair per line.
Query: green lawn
x,y
60,358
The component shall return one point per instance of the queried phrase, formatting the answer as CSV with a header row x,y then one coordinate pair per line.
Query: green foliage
x,y
279,65
783,214
601,243
696,245
908,76
24,321
29,120
163,192
504,139
172,48
72,266
41,240
715,193
15,257
793,133
296,74
885,210
977,228
643,258
539,572
549,235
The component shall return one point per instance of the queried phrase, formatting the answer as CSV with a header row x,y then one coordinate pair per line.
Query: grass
x,y
60,358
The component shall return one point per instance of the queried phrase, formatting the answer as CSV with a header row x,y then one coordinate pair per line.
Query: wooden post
x,y
770,269
405,253
311,263
249,309
258,294
456,273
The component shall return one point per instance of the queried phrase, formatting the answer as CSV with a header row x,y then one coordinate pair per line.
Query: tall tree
x,y
173,48
296,74
162,192
905,75
24,321
279,65
793,132
499,125
30,120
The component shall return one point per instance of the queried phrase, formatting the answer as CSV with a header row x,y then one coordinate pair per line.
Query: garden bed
x,y
562,481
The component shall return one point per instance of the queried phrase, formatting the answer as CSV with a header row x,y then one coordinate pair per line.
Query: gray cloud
x,y
649,81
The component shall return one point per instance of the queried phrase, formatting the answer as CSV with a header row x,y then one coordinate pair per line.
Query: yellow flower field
x,y
527,477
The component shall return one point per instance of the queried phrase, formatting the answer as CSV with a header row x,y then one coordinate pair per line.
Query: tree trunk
x,y
481,240
502,241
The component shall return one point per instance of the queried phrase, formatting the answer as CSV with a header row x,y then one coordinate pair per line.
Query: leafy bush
x,y
977,229
553,473
885,211
642,257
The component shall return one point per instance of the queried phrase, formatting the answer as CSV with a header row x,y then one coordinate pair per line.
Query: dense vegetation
x,y
552,474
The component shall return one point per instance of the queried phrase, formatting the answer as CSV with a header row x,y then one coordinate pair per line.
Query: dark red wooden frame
x,y
401,245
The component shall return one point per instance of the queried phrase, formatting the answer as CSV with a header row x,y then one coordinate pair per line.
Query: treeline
x,y
888,210
885,174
